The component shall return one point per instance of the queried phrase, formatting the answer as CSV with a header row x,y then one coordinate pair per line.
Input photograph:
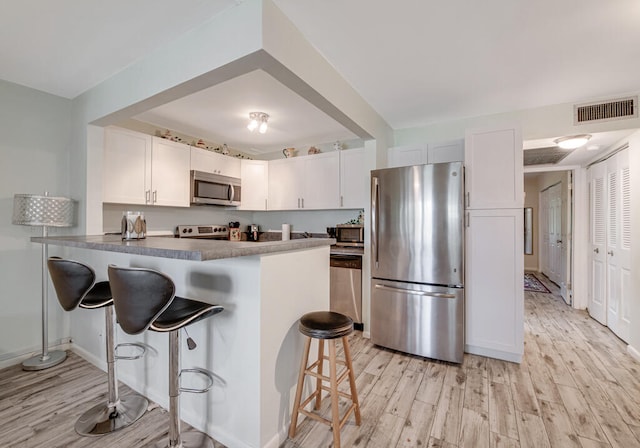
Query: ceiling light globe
x,y
253,124
572,142
263,127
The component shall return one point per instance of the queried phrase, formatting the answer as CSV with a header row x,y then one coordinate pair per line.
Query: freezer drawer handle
x,y
440,295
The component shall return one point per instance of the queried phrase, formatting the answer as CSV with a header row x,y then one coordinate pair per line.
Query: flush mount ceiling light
x,y
258,120
573,141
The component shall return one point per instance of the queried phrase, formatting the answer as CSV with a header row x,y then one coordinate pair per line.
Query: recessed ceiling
x,y
221,113
545,149
421,63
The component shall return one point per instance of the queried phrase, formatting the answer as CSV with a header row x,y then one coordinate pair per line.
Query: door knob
x,y
610,252
596,250
558,241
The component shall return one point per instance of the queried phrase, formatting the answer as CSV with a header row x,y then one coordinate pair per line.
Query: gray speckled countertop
x,y
183,248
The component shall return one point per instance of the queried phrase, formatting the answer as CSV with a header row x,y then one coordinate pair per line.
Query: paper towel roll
x,y
286,232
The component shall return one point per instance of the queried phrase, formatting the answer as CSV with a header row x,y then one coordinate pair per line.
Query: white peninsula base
x,y
253,347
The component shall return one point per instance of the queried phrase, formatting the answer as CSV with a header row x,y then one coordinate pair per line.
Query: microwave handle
x,y
232,192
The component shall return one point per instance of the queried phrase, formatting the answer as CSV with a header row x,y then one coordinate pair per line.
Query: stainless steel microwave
x,y
214,189
350,235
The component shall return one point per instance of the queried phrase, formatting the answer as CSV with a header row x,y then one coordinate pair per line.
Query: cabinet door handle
x,y
341,201
468,199
265,204
596,250
610,252
467,219
155,196
147,196
302,200
298,202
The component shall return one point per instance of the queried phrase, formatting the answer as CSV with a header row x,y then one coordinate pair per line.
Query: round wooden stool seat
x,y
325,325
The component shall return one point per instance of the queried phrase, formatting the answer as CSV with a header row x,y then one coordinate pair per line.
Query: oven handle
x,y
440,295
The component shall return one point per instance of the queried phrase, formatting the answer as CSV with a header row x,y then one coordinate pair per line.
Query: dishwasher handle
x,y
440,295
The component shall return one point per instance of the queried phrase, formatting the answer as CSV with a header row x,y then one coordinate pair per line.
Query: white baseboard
x,y
491,353
635,354
13,358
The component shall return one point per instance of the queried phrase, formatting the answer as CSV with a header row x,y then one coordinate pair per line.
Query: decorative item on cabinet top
x,y
313,150
200,143
289,152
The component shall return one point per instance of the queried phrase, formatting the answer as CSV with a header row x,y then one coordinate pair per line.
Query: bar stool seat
x,y
326,325
76,287
145,299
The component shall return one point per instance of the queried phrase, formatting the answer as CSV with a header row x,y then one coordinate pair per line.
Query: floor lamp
x,y
45,211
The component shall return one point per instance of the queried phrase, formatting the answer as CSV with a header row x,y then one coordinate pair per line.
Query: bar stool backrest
x,y
71,280
139,296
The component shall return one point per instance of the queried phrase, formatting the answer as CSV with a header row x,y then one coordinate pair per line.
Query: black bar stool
x,y
75,285
326,325
145,299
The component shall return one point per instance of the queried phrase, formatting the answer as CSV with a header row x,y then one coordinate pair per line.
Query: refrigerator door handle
x,y
374,219
439,295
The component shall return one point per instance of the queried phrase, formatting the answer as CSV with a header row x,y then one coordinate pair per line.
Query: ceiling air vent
x,y
610,110
544,156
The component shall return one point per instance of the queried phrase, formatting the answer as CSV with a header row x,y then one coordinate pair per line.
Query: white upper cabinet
x,y
255,184
308,182
170,182
140,169
322,181
493,168
442,152
407,155
354,179
126,166
212,162
285,184
450,151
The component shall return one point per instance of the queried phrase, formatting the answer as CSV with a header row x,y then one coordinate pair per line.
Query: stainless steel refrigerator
x,y
417,257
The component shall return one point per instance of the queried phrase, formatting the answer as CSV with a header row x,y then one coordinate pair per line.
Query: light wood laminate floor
x,y
576,387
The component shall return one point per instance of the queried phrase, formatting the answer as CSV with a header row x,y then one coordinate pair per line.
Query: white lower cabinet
x,y
309,182
254,175
145,170
494,289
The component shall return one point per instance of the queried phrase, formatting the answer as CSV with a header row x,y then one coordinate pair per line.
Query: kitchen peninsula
x,y
253,347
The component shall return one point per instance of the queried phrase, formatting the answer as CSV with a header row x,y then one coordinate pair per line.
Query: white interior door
x,y
543,232
597,234
555,233
618,247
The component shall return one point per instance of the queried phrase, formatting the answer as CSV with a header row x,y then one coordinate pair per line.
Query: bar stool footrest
x,y
140,354
200,371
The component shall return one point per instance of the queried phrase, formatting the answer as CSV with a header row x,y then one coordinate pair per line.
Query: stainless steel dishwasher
x,y
346,286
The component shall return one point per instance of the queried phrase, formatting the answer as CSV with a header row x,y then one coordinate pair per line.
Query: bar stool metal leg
x,y
116,413
176,439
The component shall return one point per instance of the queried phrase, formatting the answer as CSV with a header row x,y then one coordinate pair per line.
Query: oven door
x,y
214,189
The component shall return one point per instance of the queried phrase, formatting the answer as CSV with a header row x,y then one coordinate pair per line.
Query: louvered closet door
x,y
597,233
618,244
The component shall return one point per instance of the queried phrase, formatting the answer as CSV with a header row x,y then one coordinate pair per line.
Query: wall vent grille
x,y
612,110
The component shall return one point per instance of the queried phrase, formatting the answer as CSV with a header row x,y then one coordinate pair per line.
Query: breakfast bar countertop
x,y
183,248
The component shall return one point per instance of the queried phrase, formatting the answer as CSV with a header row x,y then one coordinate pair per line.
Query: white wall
x,y
34,157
